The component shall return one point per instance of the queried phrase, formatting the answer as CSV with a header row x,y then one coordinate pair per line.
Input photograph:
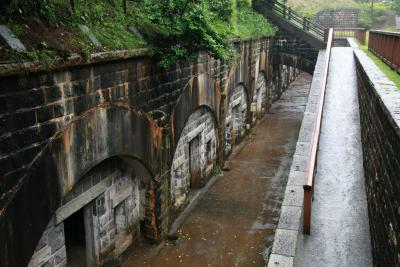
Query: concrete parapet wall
x,y
55,127
379,100
289,227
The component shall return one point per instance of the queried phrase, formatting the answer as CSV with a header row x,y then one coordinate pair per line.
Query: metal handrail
x,y
359,33
297,19
311,166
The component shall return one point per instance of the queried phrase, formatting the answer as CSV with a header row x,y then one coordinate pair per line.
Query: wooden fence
x,y
386,45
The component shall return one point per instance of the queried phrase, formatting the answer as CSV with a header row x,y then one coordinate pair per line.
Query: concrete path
x,y
235,220
339,226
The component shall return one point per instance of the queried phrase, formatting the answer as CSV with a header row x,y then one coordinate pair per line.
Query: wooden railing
x,y
386,45
312,163
297,19
358,33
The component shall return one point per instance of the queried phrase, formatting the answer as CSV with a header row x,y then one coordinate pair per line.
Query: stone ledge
x,y
384,89
74,60
13,68
287,232
290,218
285,242
277,260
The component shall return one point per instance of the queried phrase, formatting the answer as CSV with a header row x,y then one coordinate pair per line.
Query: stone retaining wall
x,y
55,127
380,131
338,18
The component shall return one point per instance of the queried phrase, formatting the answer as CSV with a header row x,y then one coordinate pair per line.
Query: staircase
x,y
293,22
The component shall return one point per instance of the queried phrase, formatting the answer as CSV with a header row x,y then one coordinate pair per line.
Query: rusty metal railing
x,y
312,163
386,45
358,33
297,19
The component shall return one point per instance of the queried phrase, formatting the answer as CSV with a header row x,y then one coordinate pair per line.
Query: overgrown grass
x,y
109,24
386,69
250,24
379,18
311,7
174,30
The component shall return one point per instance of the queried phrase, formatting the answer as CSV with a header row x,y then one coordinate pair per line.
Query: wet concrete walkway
x,y
235,220
339,225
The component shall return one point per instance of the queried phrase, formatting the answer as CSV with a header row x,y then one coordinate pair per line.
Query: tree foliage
x,y
174,29
396,6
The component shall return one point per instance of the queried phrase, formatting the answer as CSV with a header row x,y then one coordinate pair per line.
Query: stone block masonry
x,y
112,215
380,125
235,121
57,127
194,156
338,18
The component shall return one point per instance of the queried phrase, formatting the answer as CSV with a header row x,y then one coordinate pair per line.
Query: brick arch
x,y
113,129
201,91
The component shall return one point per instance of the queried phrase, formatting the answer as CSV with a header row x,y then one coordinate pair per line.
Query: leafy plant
x,y
174,30
396,6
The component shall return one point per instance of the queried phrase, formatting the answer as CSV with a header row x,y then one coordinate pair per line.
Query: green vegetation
x,y
174,30
312,7
377,17
396,6
386,69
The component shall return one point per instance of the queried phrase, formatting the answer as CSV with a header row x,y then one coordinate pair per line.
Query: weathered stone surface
x,y
11,39
58,126
276,260
338,18
285,242
303,149
296,178
300,162
290,218
197,148
235,121
85,30
293,196
380,134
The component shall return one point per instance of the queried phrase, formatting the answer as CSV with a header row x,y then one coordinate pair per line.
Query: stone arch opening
x,y
195,155
79,146
260,97
103,215
284,77
236,117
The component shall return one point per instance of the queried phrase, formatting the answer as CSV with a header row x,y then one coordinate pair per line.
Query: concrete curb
x,y
284,247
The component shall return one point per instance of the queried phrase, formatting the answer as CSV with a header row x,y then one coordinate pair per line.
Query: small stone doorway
x,y
237,124
75,241
194,160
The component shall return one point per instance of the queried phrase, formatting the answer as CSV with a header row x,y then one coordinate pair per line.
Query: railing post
x,y
304,23
326,35
284,11
307,209
290,13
